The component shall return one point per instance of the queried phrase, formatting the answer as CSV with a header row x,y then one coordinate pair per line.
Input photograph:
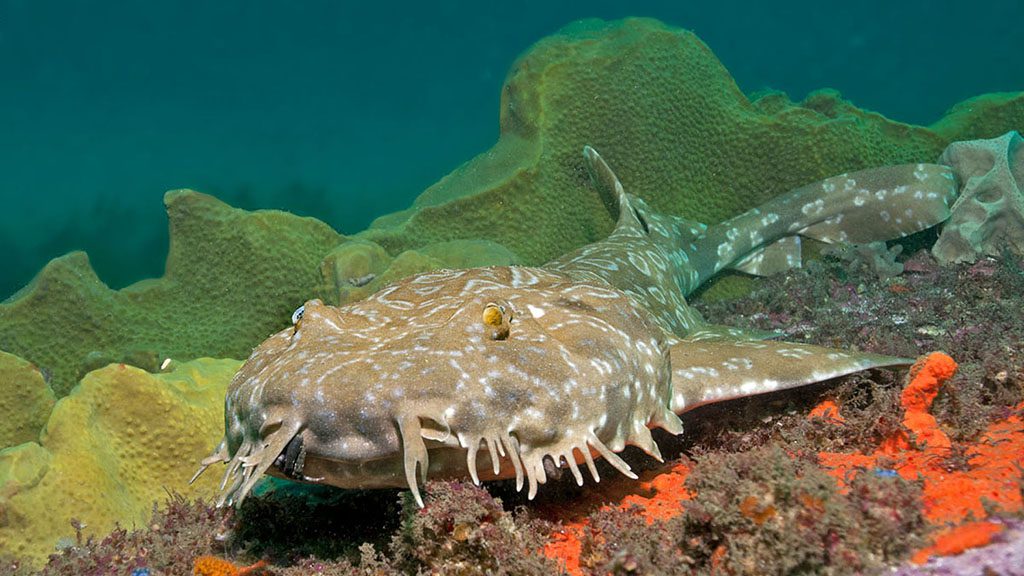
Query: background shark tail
x,y
858,208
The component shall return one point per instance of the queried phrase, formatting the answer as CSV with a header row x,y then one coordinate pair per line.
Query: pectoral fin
x,y
716,370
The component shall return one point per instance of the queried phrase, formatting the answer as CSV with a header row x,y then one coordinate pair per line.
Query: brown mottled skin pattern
x,y
509,372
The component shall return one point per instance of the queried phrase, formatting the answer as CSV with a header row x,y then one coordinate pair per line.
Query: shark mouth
x,y
282,448
532,465
252,459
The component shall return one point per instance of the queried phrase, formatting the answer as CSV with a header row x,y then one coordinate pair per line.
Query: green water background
x,y
346,111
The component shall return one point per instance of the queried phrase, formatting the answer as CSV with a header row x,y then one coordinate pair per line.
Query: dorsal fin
x,y
641,257
608,186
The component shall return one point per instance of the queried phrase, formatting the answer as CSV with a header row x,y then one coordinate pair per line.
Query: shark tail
x,y
868,206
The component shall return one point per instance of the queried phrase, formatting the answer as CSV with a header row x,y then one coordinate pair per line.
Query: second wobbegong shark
x,y
518,372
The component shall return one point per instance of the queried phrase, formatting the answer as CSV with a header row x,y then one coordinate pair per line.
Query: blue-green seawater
x,y
348,110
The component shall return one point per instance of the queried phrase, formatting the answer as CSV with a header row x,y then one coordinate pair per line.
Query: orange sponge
x,y
213,566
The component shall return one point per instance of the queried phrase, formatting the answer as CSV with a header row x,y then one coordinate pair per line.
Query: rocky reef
x,y
111,396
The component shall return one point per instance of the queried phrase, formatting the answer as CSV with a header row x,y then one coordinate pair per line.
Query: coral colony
x,y
533,319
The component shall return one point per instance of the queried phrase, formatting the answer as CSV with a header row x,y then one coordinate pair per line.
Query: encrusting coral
x,y
110,449
988,216
25,400
232,278
689,142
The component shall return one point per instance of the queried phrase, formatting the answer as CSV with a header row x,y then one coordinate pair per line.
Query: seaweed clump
x,y
178,533
762,512
618,541
972,311
463,530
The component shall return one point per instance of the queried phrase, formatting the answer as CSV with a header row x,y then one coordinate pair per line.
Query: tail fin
x,y
866,206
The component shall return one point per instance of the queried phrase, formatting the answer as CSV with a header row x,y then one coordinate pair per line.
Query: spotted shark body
x,y
515,372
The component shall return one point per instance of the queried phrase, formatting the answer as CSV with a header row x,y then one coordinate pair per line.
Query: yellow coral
x,y
682,135
25,399
110,449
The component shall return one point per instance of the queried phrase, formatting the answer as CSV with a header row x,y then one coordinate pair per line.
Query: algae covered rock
x,y
112,447
233,277
988,216
25,399
666,113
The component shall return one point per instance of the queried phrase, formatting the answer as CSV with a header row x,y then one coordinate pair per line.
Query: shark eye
x,y
496,320
297,315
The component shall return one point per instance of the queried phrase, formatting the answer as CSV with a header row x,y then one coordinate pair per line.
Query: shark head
x,y
524,362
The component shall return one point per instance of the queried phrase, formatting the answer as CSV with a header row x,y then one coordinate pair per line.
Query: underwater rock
x,y
988,216
232,278
111,448
25,399
668,115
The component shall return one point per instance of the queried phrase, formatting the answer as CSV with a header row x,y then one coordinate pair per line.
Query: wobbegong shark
x,y
521,372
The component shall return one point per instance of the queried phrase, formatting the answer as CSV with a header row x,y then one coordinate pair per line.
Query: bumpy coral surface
x,y
988,216
358,268
111,448
665,112
232,278
25,400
